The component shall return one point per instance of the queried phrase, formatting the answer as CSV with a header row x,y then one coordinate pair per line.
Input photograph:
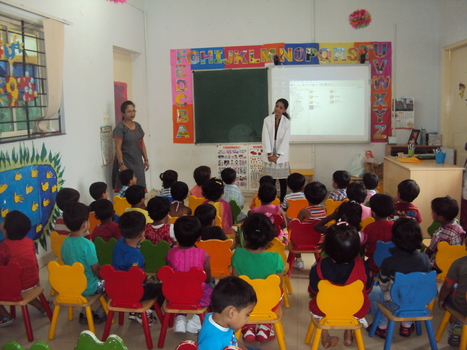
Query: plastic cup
x,y
440,157
411,152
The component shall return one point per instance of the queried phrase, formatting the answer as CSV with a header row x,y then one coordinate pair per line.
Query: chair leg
x,y
147,333
121,318
418,327
53,324
171,320
288,285
388,341
309,333
431,335
27,322
159,313
290,261
285,296
90,319
442,326
46,306
463,343
13,311
316,338
108,323
164,327
375,323
70,313
280,335
359,339
104,304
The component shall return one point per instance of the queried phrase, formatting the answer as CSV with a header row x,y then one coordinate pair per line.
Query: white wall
x,y
453,26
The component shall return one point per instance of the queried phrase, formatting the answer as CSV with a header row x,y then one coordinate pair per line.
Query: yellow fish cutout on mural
x,y
4,212
38,227
44,186
28,189
3,188
45,202
49,175
34,172
54,188
18,176
34,206
19,198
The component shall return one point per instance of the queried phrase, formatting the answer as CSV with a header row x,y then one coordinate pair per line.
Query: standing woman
x,y
130,151
276,136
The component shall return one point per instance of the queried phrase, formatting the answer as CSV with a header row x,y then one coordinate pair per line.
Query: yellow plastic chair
x,y
278,247
221,256
446,255
274,202
93,222
70,282
450,311
56,241
295,205
366,222
268,293
339,304
120,204
194,202
173,219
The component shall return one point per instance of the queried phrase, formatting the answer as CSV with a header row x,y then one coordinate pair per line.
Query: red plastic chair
x,y
302,239
125,291
10,294
182,291
278,220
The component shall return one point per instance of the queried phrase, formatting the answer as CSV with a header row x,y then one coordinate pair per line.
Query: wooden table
x,y
435,180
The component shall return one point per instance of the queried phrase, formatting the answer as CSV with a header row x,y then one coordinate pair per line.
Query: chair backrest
x,y
12,345
182,290
93,222
382,252
193,202
332,205
268,293
236,210
433,227
56,241
277,246
412,292
104,250
446,255
339,303
221,255
367,221
173,219
154,255
69,282
10,282
124,288
278,220
120,204
274,202
303,235
88,341
295,205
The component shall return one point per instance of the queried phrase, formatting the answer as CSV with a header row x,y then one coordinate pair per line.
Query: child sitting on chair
x,y
315,192
206,213
296,183
18,248
232,301
63,197
231,190
445,210
213,191
407,238
127,178
342,266
201,175
407,192
179,191
135,196
168,178
185,256
357,192
254,262
371,181
264,179
97,190
160,229
108,228
340,181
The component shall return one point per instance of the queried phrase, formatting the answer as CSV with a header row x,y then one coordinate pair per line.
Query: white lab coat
x,y
282,141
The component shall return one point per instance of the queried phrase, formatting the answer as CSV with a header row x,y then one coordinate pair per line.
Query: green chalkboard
x,y
230,105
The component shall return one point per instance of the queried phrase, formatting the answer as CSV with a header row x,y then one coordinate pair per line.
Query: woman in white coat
x,y
276,136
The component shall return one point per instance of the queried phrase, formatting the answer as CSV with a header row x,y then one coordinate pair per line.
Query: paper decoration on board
x,y
118,1
107,144
360,19
403,113
461,90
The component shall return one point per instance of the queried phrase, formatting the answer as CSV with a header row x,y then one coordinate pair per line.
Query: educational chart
x,y
107,145
256,166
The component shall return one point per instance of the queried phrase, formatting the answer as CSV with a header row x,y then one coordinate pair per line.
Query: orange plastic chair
x,y
221,256
10,294
120,204
93,222
366,222
194,202
450,311
446,255
182,291
331,206
277,246
70,282
274,202
339,304
267,310
173,219
295,205
125,290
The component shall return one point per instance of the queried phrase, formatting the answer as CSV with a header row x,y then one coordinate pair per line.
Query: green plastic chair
x,y
12,345
236,210
104,250
154,256
433,227
88,341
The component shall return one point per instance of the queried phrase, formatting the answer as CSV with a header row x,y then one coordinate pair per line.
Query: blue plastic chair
x,y
412,292
382,252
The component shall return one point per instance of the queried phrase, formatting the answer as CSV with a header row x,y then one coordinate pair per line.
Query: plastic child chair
x,y
274,202
120,204
104,250
412,292
450,311
382,252
339,304
277,246
182,291
367,221
221,256
125,290
154,256
70,282
446,255
303,238
173,219
93,222
331,206
187,345
56,241
194,202
278,220
295,205
88,341
10,294
12,345
267,310
236,210
433,227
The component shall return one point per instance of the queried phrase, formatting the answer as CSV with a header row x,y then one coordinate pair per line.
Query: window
x,y
23,82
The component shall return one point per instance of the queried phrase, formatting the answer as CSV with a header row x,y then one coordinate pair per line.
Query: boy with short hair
x,y
232,301
340,181
231,191
445,210
63,197
97,190
382,205
127,178
407,192
135,196
371,181
314,192
296,183
76,248
206,213
107,229
160,228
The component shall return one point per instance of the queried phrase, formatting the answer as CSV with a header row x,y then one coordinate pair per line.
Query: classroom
x,y
106,41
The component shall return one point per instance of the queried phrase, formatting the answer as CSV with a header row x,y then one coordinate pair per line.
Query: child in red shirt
x,y
160,229
105,212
